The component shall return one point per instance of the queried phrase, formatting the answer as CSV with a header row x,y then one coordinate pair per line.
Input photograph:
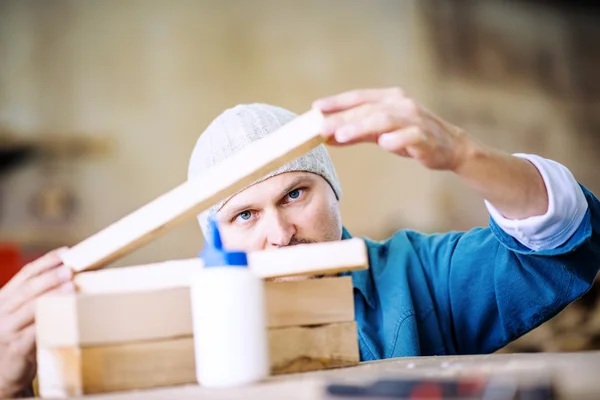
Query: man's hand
x,y
396,123
17,329
399,125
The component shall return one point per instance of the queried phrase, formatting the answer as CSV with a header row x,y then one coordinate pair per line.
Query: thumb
x,y
397,141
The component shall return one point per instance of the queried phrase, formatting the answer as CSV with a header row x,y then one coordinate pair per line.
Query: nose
x,y
279,231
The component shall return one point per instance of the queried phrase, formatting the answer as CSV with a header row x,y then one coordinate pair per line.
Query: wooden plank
x,y
71,371
304,348
79,320
194,196
161,275
310,302
311,258
303,259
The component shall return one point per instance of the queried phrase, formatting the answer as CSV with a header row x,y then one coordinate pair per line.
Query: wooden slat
x,y
83,320
303,259
72,371
310,302
161,275
79,320
311,258
192,197
303,348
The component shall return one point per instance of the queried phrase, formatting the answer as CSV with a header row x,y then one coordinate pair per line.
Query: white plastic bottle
x,y
229,319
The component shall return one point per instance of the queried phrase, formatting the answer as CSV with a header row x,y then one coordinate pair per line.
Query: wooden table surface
x,y
576,375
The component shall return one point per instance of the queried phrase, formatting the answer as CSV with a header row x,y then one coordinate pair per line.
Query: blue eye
x,y
294,194
245,215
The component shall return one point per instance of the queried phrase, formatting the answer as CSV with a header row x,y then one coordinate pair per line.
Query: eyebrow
x,y
299,180
288,188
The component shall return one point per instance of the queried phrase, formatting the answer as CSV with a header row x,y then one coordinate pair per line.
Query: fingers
x,y
405,142
24,345
353,125
393,121
25,314
354,98
36,286
366,122
47,261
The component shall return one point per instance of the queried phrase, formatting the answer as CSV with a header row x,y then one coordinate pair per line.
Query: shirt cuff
x,y
567,206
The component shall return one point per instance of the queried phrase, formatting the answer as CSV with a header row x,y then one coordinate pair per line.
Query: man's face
x,y
284,210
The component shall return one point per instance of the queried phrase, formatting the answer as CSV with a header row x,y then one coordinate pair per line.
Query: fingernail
x,y
319,104
62,250
386,138
67,287
328,127
345,133
65,273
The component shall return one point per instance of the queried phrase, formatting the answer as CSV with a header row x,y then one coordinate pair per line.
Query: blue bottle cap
x,y
214,255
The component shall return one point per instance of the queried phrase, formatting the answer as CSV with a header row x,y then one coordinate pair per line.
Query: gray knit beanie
x,y
238,126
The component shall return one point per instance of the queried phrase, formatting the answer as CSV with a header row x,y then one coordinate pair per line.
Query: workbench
x,y
576,376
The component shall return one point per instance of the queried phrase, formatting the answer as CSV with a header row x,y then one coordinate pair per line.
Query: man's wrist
x,y
469,155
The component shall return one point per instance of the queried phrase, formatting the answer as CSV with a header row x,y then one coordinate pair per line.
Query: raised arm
x,y
398,124
487,286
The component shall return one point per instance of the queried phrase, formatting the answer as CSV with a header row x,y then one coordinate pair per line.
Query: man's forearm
x,y
399,125
511,184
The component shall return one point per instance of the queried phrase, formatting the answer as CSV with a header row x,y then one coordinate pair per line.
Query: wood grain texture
x,y
310,302
194,196
71,371
80,320
303,259
88,320
309,348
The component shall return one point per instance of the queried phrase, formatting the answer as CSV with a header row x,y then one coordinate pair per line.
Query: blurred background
x,y
101,103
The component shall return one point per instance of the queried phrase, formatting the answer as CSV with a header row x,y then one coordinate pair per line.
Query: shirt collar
x,y
361,279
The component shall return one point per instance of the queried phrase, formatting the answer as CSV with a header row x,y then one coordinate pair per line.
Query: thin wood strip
x,y
304,259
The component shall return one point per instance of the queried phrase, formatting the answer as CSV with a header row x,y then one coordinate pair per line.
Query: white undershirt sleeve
x,y
566,209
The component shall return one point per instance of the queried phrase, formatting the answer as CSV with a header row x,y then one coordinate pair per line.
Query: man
x,y
454,293
17,328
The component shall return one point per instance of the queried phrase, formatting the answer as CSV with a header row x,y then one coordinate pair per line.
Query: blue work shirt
x,y
466,292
